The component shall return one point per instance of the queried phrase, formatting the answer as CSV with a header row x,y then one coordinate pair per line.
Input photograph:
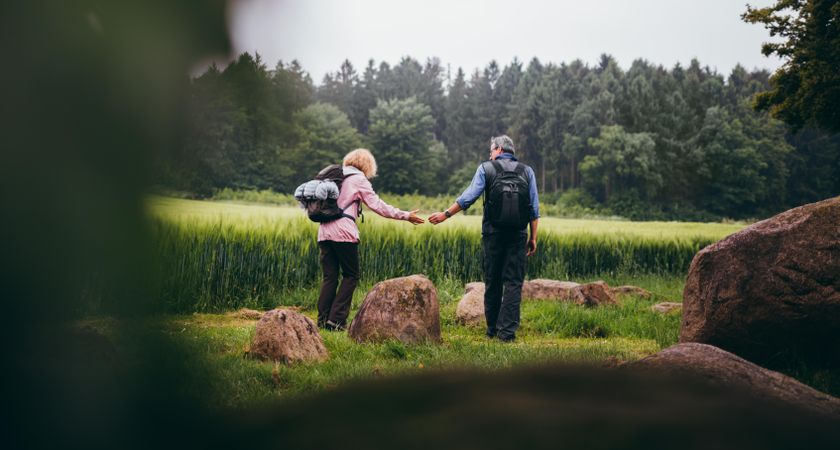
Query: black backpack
x,y
324,210
507,199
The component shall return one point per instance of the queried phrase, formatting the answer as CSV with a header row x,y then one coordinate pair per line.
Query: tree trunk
x,y
542,175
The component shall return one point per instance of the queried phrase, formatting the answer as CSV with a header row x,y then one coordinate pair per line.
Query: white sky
x,y
469,33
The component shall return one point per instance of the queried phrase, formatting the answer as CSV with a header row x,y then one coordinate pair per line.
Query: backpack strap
x,y
358,206
491,168
520,170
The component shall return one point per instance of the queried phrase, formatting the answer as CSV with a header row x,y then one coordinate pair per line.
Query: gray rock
x,y
542,289
470,310
773,287
721,368
631,290
405,309
593,294
288,337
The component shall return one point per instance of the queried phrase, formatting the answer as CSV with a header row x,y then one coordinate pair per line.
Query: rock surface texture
x,y
288,337
470,310
404,308
719,367
589,294
541,289
631,290
772,288
593,294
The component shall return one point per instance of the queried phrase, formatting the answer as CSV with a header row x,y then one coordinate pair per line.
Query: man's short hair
x,y
503,142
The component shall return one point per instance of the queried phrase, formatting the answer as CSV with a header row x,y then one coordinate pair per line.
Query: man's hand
x,y
414,218
437,218
532,247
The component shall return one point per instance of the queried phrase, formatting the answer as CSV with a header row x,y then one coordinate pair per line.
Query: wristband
x,y
447,213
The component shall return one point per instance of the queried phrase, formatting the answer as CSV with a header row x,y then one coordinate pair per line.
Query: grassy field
x,y
217,257
221,256
216,344
251,216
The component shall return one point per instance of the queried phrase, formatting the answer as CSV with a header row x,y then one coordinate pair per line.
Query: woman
x,y
338,240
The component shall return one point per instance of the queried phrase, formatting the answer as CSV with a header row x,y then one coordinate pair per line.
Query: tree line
x,y
646,142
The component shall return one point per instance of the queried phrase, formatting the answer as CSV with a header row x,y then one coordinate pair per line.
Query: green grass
x,y
254,216
217,256
222,375
211,348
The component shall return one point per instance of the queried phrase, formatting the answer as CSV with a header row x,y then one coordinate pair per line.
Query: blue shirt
x,y
477,187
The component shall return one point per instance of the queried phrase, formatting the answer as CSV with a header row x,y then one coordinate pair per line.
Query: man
x,y
504,182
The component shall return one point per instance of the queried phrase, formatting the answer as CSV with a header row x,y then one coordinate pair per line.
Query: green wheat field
x,y
215,257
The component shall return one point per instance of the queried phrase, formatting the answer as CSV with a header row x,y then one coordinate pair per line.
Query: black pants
x,y
334,256
504,271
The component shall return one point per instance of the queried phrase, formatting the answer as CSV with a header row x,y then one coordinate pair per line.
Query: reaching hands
x,y
414,218
437,218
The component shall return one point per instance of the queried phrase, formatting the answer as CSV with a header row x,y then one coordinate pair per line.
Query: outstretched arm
x,y
437,218
466,199
377,205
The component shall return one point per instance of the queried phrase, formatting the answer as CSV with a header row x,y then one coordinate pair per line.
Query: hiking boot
x,y
332,326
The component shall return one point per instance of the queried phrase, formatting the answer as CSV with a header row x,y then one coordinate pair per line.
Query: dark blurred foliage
x,y
551,407
91,90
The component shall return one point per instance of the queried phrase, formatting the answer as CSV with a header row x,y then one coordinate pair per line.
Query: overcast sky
x,y
322,33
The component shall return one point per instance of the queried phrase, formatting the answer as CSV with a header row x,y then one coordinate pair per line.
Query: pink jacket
x,y
356,187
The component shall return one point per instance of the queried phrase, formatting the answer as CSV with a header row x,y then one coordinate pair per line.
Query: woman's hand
x,y
414,219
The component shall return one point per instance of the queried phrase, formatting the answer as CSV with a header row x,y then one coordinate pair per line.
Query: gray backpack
x,y
319,197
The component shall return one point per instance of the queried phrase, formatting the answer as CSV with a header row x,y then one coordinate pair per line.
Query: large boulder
x,y
541,289
719,367
470,310
288,337
593,294
773,287
405,309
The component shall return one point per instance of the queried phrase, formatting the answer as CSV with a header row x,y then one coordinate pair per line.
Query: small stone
x,y
288,337
542,289
666,307
470,310
631,290
593,294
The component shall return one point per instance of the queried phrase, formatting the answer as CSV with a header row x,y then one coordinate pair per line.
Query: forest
x,y
644,143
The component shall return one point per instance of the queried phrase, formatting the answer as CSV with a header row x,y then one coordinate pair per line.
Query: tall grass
x,y
213,266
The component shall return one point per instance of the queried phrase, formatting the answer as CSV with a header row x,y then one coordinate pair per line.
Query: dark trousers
x,y
334,306
504,271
